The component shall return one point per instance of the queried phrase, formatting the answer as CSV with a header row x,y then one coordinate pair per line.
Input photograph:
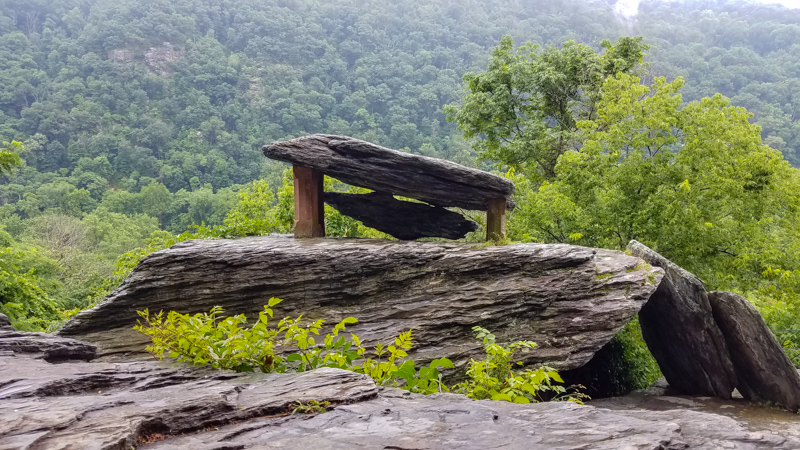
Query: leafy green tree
x,y
528,103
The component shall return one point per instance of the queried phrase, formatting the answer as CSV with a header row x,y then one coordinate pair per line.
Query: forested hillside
x,y
139,116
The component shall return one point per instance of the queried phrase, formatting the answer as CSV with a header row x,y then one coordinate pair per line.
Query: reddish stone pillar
x,y
309,206
496,220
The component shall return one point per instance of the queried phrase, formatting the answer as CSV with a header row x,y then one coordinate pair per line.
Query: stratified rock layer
x,y
45,346
570,300
401,219
763,370
151,405
435,181
117,406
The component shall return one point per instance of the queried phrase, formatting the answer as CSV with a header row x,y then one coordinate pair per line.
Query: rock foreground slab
x,y
764,372
359,163
150,405
679,329
570,300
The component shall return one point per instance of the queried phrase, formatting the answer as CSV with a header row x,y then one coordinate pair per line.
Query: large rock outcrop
x,y
570,300
764,373
680,331
150,405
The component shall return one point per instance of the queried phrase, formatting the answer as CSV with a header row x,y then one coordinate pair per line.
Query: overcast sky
x,y
628,8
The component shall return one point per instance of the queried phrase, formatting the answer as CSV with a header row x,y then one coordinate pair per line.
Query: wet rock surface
x,y
78,405
156,405
679,329
447,421
570,300
763,371
45,346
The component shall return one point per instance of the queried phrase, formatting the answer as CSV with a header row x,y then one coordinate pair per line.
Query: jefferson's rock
x,y
570,300
763,370
401,219
435,181
679,329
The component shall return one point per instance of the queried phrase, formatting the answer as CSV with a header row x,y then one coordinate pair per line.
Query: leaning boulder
x,y
401,219
570,300
763,370
679,329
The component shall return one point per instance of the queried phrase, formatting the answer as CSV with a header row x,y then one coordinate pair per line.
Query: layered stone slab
x,y
570,300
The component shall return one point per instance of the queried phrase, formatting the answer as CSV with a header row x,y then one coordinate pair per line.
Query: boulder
x,y
763,371
679,329
401,219
157,405
359,163
570,300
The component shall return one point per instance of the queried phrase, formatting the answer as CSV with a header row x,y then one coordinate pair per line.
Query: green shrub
x,y
291,347
227,343
493,377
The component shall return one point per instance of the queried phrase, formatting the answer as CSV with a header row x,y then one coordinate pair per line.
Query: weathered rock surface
x,y
155,405
46,346
763,370
679,329
359,163
5,323
448,421
401,219
117,406
570,300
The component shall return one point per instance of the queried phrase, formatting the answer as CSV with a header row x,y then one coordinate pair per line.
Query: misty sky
x,y
628,7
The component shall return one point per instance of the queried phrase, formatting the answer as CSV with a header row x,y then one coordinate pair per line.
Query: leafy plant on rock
x,y
494,378
292,347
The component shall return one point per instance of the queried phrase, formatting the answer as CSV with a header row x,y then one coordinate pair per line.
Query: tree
x,y
526,106
9,156
695,183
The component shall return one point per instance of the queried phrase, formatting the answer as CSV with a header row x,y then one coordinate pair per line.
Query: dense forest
x,y
140,119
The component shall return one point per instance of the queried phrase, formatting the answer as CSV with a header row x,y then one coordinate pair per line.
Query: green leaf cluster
x,y
291,346
494,376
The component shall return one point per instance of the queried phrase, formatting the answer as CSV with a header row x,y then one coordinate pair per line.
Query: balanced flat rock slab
x,y
401,219
680,331
570,300
763,371
359,163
